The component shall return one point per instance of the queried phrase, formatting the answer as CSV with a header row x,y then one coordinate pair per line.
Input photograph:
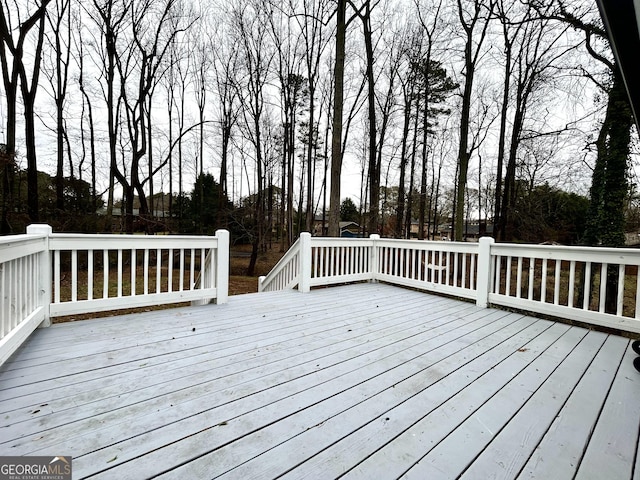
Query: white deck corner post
x,y
373,257
222,273
484,271
44,265
304,284
261,280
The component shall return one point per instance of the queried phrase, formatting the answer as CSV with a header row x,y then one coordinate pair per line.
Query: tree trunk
x,y
336,130
374,172
403,164
463,153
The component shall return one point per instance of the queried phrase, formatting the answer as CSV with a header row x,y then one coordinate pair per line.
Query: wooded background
x,y
262,116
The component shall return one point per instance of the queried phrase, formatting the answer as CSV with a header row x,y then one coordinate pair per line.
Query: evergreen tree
x,y
208,204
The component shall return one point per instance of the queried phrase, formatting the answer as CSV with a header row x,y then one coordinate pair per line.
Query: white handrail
x,y
567,282
44,275
22,304
549,280
442,267
125,271
285,274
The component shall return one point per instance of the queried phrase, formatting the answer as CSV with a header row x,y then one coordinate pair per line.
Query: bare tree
x,y
288,43
311,23
537,53
336,128
59,41
110,17
475,23
226,73
87,108
153,29
251,21
13,48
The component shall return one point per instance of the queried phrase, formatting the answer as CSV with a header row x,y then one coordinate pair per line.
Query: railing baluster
x,y
620,299
532,266
181,269
519,279
19,277
352,260
202,268
314,262
464,270
572,283
56,275
395,261
455,269
472,275
38,274
74,275
29,281
603,287
105,273
145,271
192,268
134,268
412,264
13,318
447,273
119,260
543,286
158,270
170,272
90,274
556,283
587,286
507,281
497,282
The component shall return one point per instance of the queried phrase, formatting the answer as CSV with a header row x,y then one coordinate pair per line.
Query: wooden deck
x,y
363,381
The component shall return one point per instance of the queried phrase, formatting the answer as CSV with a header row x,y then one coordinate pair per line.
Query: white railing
x,y
285,275
44,275
108,272
444,267
340,260
568,282
23,304
550,280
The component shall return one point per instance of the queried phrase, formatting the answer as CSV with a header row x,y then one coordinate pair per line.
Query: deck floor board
x,y
364,380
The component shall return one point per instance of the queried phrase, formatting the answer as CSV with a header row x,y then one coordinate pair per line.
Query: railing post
x,y
44,280
373,257
304,285
222,265
484,271
261,280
